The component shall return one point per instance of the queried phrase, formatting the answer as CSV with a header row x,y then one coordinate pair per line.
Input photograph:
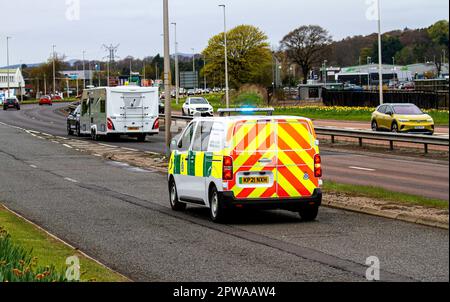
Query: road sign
x,y
189,79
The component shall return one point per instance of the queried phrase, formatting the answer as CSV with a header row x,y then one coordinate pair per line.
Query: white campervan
x,y
123,110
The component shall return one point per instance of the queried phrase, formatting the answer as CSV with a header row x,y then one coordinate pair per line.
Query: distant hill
x,y
407,46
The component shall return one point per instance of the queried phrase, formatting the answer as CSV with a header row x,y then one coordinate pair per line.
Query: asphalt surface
x,y
121,217
408,175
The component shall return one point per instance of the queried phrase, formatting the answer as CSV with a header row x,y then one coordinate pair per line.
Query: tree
x,y
439,36
306,46
390,45
249,57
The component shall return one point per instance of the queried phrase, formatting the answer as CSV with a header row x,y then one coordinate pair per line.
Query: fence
x,y
424,100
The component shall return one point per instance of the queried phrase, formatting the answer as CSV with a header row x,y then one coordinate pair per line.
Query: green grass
x,y
359,114
51,252
380,193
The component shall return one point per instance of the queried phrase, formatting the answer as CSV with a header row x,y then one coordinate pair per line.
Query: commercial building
x,y
16,81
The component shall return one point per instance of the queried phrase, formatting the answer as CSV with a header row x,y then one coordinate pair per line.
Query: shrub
x,y
18,265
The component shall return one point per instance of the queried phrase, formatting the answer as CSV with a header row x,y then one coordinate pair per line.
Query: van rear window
x,y
294,135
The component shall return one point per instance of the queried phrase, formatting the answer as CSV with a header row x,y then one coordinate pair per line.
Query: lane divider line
x,y
71,180
362,169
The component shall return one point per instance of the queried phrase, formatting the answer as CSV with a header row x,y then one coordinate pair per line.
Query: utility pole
x,y
193,59
7,63
204,73
380,57
227,93
84,70
112,50
177,67
168,113
45,84
54,70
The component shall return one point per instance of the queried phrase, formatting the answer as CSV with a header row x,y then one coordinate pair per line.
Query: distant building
x,y
16,81
368,75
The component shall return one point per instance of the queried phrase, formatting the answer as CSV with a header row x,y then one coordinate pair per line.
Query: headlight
x,y
430,120
403,121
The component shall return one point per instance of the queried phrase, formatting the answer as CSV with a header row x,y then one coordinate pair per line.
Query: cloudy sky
x,y
137,24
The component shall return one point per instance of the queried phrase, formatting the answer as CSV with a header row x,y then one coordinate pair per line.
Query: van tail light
x,y
156,124
317,166
110,124
227,168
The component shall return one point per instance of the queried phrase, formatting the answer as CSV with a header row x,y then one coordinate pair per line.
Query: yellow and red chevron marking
x,y
291,153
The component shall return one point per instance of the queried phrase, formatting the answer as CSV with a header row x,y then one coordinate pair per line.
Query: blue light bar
x,y
223,111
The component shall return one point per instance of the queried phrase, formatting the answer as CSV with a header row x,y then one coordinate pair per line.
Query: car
x,y
197,106
56,98
45,100
190,92
11,102
73,122
251,161
402,118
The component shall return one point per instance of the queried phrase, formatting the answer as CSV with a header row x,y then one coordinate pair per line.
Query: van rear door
x,y
295,160
254,159
133,111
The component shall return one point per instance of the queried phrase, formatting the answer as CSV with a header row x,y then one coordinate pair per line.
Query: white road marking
x,y
67,146
362,169
98,155
33,166
106,145
71,180
129,149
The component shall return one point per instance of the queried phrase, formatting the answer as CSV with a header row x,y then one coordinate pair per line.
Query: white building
x,y
16,81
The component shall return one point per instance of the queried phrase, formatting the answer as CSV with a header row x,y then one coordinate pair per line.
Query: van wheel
x,y
309,214
217,212
174,203
182,112
94,135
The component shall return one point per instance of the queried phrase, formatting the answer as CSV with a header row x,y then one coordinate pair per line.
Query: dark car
x,y
11,102
73,122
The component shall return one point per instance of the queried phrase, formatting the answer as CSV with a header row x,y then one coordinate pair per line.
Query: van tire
x,y
175,204
217,212
94,135
69,130
309,213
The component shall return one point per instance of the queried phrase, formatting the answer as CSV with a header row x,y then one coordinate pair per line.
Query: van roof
x,y
238,118
128,89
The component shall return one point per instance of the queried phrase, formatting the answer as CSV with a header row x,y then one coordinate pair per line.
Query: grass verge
x,y
51,252
380,193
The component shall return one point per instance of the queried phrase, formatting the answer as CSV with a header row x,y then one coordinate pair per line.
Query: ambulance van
x,y
247,162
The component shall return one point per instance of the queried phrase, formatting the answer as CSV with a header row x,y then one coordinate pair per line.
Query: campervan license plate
x,y
133,128
254,180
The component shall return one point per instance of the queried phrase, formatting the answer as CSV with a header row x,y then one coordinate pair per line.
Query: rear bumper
x,y
290,204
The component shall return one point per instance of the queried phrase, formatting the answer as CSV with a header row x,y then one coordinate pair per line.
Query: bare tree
x,y
306,46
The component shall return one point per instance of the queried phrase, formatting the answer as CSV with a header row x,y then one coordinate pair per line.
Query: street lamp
x,y
380,59
54,71
177,70
227,94
84,69
7,63
167,119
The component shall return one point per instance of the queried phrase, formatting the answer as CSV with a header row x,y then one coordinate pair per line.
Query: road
x,y
121,217
417,176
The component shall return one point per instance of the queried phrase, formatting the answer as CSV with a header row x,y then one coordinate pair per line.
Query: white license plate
x,y
133,128
420,127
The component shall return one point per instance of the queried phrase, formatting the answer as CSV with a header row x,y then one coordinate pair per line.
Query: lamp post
x,y
227,93
54,71
167,119
380,59
7,63
84,69
177,71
